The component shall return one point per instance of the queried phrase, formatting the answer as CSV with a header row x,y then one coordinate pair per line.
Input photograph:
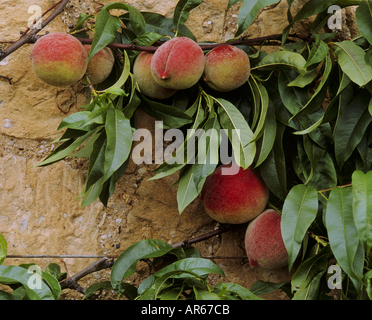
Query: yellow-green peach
x,y
226,68
59,59
148,86
100,66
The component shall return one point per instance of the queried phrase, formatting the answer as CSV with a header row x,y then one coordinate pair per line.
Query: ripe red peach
x,y
234,198
148,86
226,68
264,243
100,66
178,63
59,59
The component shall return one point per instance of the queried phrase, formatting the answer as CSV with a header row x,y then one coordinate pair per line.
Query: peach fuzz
x,y
236,198
264,243
148,86
178,63
100,66
226,68
59,59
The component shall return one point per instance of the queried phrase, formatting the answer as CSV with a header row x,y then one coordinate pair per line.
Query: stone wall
x,y
38,214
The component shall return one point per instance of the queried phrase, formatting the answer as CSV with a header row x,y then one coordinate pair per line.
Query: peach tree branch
x,y
30,38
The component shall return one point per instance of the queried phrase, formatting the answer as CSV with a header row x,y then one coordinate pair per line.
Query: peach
x,y
148,86
234,198
100,66
264,243
178,63
59,59
226,68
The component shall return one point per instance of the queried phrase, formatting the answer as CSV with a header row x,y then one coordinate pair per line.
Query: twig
x,y
51,8
204,237
105,263
29,38
71,283
267,40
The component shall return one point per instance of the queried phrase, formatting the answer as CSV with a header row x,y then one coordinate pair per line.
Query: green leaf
x,y
161,25
268,137
52,283
282,60
347,3
182,11
262,287
136,19
73,121
239,132
105,285
96,160
318,52
315,102
299,211
237,290
115,88
171,116
128,290
106,27
362,207
312,290
248,12
352,62
343,235
55,270
119,141
187,189
205,295
368,279
7,296
18,275
363,16
310,268
329,114
198,266
92,193
351,126
126,264
63,150
309,9
264,104
293,98
3,249
273,169
314,153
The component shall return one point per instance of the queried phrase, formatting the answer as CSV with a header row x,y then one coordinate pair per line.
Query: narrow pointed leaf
x,y
125,265
352,62
248,12
343,235
362,207
299,211
363,16
119,141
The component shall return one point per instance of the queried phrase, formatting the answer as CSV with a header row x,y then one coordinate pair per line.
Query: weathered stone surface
x,y
38,214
